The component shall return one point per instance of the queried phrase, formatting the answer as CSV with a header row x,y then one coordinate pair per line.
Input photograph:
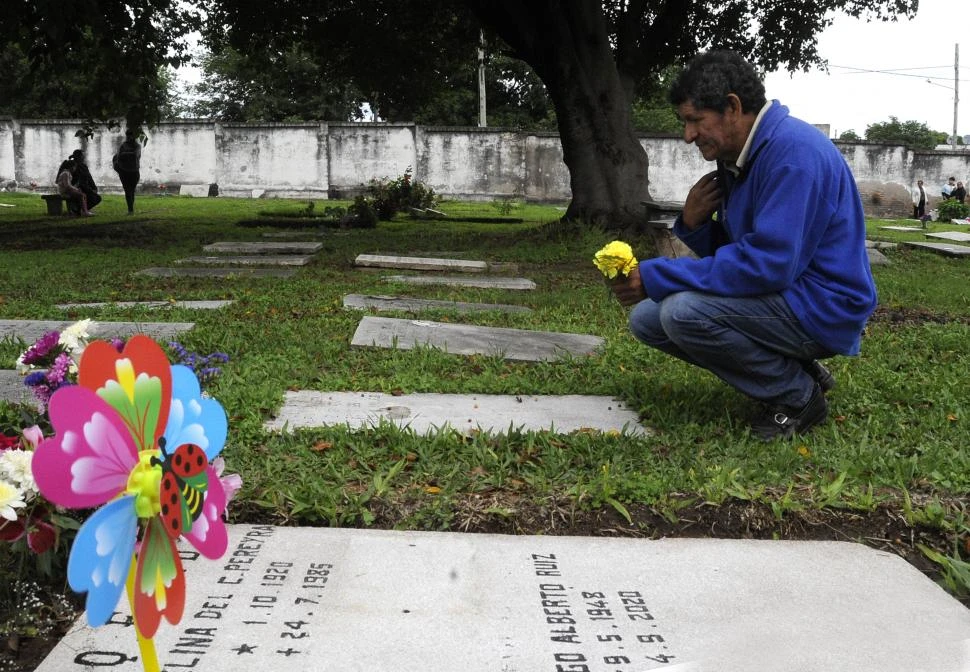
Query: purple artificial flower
x,y
59,369
42,348
118,344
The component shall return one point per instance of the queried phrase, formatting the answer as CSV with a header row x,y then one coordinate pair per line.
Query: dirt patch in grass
x,y
911,316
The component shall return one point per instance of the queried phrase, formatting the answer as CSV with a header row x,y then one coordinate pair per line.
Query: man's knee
x,y
645,322
684,313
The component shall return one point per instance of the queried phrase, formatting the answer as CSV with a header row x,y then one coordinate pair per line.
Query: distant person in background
x,y
127,163
919,200
83,179
948,188
77,202
959,193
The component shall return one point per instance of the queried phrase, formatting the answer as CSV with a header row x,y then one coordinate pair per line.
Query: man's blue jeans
x,y
755,344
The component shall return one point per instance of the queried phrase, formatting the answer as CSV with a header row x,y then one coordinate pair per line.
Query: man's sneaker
x,y
785,421
822,376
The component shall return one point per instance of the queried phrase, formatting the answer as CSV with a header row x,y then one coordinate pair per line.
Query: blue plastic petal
x,y
101,557
193,418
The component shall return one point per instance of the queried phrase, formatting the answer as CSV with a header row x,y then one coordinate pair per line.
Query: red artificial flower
x,y
8,442
41,536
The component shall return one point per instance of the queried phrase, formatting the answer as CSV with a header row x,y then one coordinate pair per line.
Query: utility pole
x,y
956,90
481,79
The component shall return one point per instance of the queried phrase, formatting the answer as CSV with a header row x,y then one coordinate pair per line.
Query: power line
x,y
897,73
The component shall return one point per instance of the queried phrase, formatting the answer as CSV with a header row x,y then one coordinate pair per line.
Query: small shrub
x,y
952,209
361,215
391,196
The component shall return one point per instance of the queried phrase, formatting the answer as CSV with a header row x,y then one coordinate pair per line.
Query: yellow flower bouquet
x,y
615,259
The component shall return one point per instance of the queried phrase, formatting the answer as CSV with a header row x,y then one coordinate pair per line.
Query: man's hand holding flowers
x,y
619,267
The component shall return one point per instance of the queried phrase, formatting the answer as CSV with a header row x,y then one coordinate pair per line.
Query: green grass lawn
x,y
890,469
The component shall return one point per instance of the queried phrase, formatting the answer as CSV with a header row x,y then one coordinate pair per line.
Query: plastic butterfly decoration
x,y
136,436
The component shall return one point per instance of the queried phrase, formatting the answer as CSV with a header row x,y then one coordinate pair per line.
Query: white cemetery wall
x,y
473,162
287,160
360,153
546,176
178,152
674,166
339,159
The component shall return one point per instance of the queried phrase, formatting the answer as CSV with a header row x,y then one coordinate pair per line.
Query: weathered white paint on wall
x,y
177,153
293,154
484,161
360,153
318,160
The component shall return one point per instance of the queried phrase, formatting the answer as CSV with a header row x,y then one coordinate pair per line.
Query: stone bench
x,y
55,203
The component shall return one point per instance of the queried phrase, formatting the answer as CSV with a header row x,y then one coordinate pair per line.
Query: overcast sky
x,y
915,51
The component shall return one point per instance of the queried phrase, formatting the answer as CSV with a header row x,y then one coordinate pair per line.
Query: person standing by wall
x,y
948,188
919,200
127,163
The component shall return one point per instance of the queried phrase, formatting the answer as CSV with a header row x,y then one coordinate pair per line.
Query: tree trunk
x,y
567,44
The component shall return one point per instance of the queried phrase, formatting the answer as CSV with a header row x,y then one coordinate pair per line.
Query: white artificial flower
x,y
74,337
15,467
10,498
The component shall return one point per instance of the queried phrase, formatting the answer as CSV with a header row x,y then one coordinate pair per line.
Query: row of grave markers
x,y
348,599
422,413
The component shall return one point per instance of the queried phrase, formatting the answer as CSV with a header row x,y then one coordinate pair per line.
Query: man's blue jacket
x,y
791,223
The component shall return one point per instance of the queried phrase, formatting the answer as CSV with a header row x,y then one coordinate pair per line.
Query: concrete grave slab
x,y
196,190
877,258
30,330
302,233
946,249
466,413
481,281
157,272
268,247
957,236
379,303
902,228
13,390
420,263
153,305
881,244
251,260
388,601
470,339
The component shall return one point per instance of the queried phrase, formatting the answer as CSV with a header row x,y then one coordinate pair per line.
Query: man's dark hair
x,y
710,77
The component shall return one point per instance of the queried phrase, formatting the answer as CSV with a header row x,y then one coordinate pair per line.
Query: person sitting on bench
x,y
70,193
83,179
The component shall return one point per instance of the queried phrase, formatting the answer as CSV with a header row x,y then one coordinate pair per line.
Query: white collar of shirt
x,y
743,157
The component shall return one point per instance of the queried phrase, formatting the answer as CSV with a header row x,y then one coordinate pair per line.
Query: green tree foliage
x,y
912,134
593,57
849,136
97,59
273,85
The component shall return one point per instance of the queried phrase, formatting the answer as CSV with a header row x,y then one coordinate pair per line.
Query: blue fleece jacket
x,y
791,223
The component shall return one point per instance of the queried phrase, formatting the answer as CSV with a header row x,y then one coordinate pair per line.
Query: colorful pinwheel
x,y
136,436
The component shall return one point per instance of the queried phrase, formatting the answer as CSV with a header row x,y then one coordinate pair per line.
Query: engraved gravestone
x,y
31,330
228,273
372,600
426,413
251,260
412,305
480,281
246,247
470,339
